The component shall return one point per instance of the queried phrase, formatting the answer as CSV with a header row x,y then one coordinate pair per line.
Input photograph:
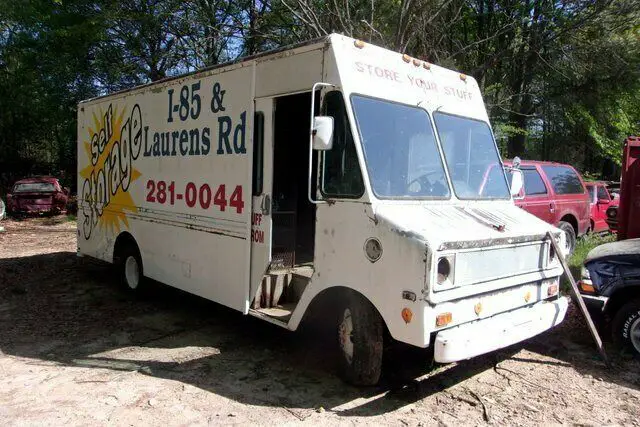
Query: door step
x,y
282,288
278,315
270,290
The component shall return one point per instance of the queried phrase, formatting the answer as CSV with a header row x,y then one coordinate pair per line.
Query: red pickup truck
x,y
555,193
600,200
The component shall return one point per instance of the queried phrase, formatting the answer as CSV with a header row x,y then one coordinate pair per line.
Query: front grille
x,y
490,264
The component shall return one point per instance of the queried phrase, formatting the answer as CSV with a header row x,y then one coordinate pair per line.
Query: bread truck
x,y
331,174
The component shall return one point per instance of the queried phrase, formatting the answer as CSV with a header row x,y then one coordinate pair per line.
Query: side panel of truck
x,y
629,211
170,165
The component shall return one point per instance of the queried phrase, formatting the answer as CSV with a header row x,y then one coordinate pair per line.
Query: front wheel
x,y
360,338
570,237
626,326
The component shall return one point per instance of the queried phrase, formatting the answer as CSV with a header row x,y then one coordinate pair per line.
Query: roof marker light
x,y
406,58
463,77
358,43
416,62
426,65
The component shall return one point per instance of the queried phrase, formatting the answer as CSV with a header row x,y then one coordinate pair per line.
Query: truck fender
x,y
317,299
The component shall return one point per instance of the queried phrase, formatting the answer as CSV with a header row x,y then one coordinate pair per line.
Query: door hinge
x,y
266,205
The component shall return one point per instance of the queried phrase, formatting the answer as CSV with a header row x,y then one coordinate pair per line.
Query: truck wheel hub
x,y
634,333
132,272
345,335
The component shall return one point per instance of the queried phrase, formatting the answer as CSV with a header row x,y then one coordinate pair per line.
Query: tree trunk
x,y
516,143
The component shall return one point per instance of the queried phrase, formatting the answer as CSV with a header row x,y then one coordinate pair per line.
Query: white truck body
x,y
171,166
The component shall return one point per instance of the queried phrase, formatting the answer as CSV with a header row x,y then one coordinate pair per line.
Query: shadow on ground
x,y
55,309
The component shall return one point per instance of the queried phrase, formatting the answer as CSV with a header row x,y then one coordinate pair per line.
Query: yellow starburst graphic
x,y
110,206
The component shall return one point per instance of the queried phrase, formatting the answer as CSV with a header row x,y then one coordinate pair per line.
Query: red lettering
x,y
151,187
220,199
236,199
257,236
190,195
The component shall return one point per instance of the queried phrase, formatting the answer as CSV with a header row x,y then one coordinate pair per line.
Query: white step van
x,y
333,171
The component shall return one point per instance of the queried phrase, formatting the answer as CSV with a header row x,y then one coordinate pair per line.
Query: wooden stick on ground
x,y
578,298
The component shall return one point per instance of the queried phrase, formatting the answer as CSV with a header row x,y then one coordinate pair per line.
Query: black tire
x,y
364,366
570,234
626,322
130,254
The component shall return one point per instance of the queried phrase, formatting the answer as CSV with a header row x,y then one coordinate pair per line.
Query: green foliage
x,y
583,247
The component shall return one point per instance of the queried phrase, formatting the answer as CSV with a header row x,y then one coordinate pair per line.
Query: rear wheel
x,y
626,326
130,266
360,338
570,234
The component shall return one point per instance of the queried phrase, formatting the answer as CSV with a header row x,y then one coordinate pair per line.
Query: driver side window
x,y
341,175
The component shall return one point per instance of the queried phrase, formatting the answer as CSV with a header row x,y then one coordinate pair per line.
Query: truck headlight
x,y
584,273
445,269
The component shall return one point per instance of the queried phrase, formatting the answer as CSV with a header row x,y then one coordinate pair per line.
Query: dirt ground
x,y
75,349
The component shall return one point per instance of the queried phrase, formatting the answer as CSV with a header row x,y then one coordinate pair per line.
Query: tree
x,y
44,71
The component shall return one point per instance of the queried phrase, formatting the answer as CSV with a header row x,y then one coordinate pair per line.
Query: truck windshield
x,y
472,158
400,150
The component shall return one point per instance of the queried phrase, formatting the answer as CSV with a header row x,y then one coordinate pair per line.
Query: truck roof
x,y
333,38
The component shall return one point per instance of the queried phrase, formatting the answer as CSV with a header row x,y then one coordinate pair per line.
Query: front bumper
x,y
36,209
499,331
594,302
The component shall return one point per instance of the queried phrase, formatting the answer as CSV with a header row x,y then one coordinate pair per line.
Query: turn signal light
x,y
443,319
407,315
586,287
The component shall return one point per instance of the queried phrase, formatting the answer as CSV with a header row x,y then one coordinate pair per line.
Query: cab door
x,y
599,210
261,216
537,200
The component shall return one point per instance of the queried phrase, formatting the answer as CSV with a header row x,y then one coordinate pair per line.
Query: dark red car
x,y
600,200
37,195
555,193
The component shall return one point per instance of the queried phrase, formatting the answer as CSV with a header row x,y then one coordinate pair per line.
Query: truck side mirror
x,y
517,183
322,133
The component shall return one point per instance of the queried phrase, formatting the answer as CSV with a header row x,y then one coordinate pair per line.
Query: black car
x,y
611,284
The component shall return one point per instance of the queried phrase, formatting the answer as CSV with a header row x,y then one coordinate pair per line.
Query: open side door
x,y
261,215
